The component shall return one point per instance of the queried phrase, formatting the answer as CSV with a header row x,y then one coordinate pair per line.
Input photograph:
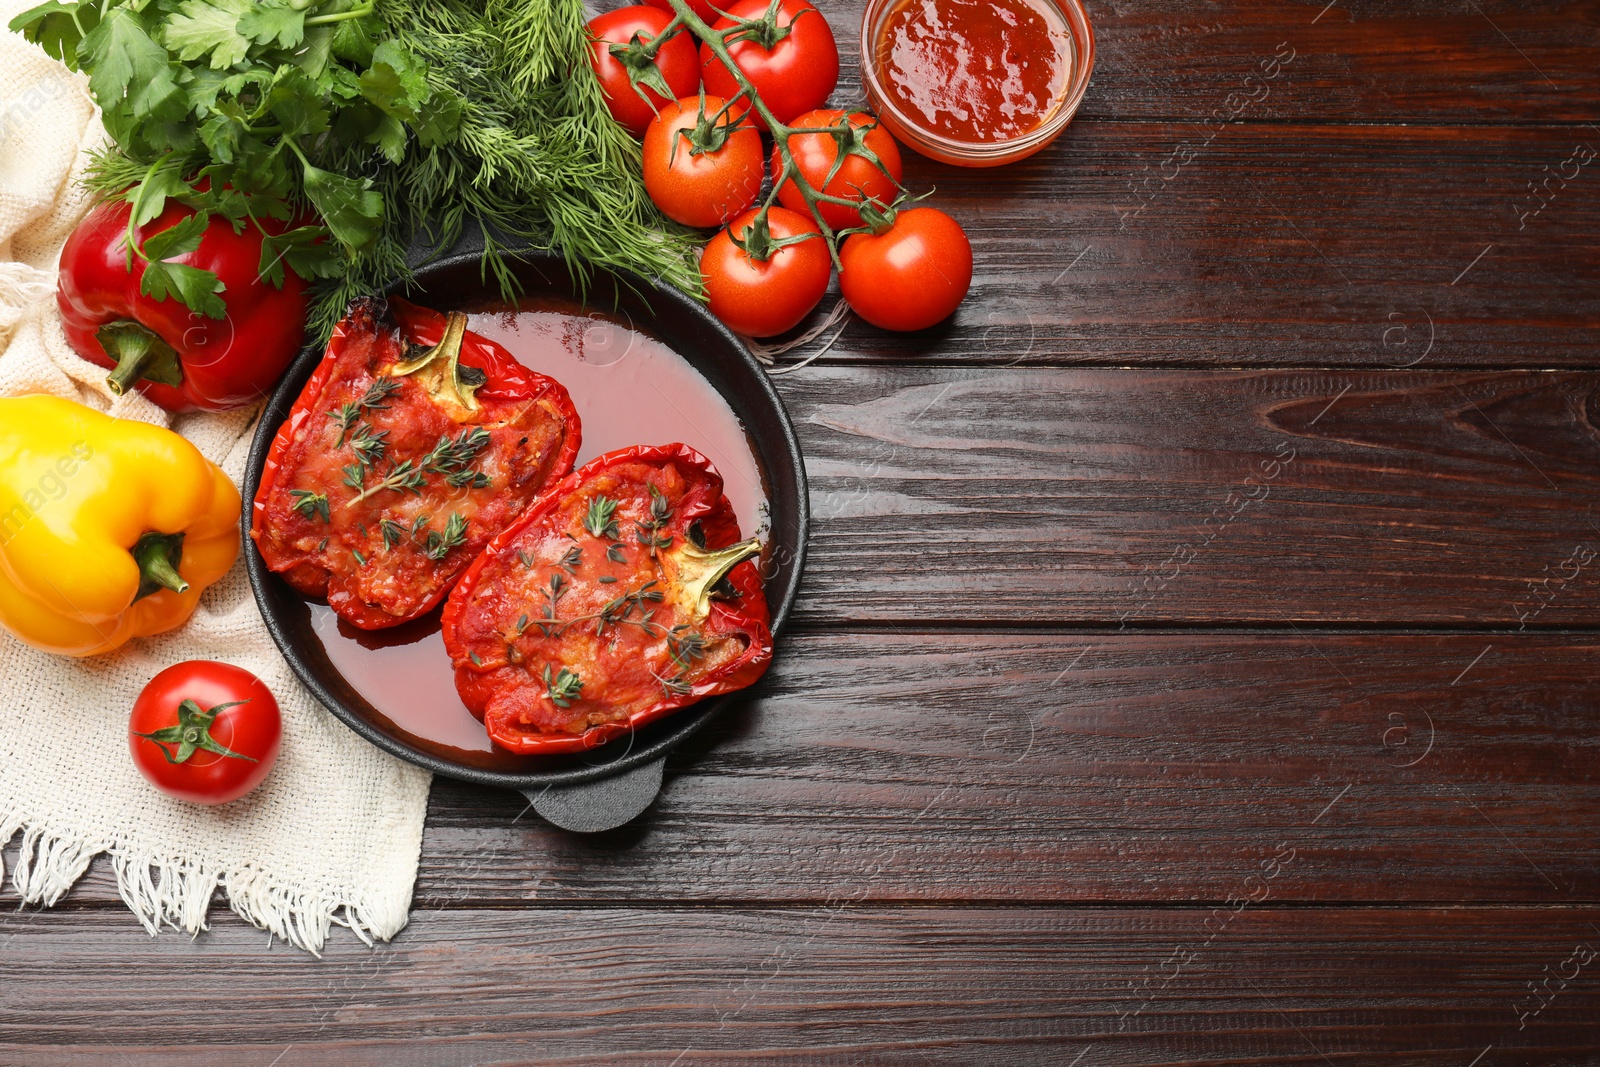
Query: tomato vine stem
x,y
717,41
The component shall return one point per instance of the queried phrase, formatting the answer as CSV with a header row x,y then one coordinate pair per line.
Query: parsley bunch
x,y
363,125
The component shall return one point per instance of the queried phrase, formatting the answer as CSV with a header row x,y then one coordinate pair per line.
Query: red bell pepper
x,y
179,358
621,595
412,445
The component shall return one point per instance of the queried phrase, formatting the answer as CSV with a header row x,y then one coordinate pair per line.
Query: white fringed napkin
x,y
334,834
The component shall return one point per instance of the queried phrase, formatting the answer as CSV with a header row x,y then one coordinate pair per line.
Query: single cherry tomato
x,y
701,170
911,275
704,8
205,732
676,63
794,75
858,177
761,297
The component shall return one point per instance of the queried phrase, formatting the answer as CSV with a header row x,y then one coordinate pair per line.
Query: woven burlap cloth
x,y
334,833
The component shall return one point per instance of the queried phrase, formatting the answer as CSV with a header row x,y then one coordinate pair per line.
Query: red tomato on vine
x,y
911,274
773,282
674,71
792,61
859,176
700,7
699,169
205,732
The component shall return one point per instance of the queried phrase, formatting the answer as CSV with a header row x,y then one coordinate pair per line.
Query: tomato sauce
x,y
629,389
975,70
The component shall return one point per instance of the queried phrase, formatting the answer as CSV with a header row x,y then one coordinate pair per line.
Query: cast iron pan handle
x,y
590,807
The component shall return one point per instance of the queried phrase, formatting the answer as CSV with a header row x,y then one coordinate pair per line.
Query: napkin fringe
x,y
167,891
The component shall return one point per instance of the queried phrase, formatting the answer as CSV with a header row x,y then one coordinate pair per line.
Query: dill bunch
x,y
537,159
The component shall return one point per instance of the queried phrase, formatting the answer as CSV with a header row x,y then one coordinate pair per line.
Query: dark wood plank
x,y
1113,496
1369,246
1415,61
1421,988
1090,768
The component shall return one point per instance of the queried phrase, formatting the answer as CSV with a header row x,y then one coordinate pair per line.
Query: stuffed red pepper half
x,y
412,445
623,594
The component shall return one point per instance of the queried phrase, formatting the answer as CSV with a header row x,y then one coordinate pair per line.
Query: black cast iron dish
x,y
614,783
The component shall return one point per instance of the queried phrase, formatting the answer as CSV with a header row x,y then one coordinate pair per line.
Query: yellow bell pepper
x,y
109,528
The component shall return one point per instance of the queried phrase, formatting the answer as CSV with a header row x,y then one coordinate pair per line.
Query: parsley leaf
x,y
352,209
188,285
58,27
396,84
212,26
300,250
119,53
274,21
177,240
149,197
296,101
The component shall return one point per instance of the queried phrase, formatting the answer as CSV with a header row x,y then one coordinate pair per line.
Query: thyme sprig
x,y
626,610
393,532
309,504
450,456
369,445
685,645
563,688
439,545
649,531
601,520
402,477
347,414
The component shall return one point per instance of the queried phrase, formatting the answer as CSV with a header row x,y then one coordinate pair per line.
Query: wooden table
x,y
1197,658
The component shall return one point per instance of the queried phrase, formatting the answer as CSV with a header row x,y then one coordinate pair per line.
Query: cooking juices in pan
x,y
628,388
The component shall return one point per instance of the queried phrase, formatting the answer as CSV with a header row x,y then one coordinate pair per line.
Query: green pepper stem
x,y
135,350
138,353
699,571
446,380
158,555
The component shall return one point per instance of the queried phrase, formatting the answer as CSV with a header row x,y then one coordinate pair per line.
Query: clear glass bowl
x,y
977,153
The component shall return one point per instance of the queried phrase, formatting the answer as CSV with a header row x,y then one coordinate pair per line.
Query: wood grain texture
x,y
1055,497
836,985
1283,359
1379,61
1260,244
1027,768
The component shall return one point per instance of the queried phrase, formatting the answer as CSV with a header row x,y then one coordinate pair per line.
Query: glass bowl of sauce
x,y
976,83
